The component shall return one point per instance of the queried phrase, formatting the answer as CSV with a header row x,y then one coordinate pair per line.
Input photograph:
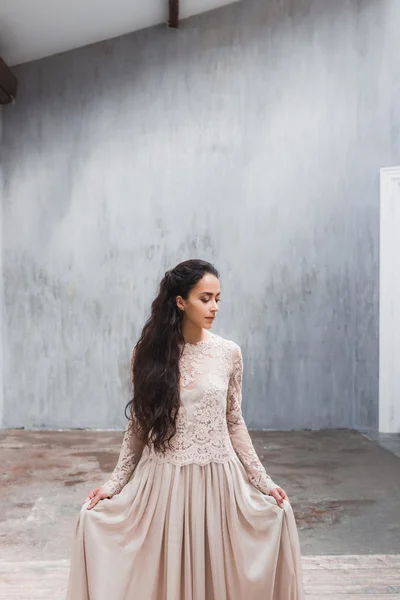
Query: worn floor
x,y
344,488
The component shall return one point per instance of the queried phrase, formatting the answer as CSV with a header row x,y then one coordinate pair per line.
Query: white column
x,y
389,303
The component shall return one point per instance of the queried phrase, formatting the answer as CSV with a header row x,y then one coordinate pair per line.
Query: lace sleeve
x,y
129,456
238,431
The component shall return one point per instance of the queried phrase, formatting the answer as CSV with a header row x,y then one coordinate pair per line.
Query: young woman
x,y
189,512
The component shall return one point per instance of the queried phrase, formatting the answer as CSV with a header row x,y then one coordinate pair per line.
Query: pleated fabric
x,y
191,532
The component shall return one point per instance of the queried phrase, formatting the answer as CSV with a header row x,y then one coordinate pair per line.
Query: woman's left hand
x,y
280,495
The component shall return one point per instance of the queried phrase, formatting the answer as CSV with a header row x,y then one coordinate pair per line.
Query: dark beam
x,y
173,20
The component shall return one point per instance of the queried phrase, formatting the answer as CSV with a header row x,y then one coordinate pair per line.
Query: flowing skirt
x,y
187,532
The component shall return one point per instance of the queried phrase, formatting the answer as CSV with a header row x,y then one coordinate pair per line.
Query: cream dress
x,y
196,523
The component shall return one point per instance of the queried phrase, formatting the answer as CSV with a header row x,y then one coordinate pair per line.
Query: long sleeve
x,y
240,437
129,456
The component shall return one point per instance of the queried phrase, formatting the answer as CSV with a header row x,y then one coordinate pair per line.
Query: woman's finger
x,y
90,496
276,494
285,496
94,501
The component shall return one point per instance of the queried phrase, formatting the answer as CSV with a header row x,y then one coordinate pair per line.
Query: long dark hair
x,y
155,361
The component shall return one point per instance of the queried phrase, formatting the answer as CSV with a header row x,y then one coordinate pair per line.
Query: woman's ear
x,y
179,302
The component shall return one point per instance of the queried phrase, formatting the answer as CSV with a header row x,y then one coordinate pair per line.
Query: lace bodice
x,y
209,426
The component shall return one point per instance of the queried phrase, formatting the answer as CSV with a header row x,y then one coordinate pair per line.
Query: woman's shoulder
x,y
227,343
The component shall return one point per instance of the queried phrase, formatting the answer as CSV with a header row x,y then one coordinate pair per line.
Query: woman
x,y
189,512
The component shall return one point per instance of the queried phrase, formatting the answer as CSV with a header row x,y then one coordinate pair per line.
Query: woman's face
x,y
201,306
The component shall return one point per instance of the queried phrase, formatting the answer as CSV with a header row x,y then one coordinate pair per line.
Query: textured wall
x,y
252,138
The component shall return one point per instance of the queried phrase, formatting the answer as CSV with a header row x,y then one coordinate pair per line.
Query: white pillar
x,y
389,302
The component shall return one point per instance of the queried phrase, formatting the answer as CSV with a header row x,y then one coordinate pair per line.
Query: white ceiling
x,y
32,29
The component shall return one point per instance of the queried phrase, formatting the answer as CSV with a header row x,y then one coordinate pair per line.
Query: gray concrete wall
x,y
253,138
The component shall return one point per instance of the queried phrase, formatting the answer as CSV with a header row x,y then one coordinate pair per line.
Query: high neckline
x,y
202,342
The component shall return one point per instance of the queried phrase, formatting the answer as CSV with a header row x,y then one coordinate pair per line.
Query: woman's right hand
x,y
95,496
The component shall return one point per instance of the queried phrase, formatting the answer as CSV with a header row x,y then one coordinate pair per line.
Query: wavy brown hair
x,y
155,362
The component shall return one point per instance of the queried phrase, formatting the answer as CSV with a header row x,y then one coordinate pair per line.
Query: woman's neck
x,y
193,334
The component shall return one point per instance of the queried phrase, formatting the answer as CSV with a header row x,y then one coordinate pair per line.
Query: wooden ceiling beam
x,y
173,20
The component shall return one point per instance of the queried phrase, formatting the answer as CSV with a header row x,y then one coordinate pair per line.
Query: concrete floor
x,y
344,488
389,441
